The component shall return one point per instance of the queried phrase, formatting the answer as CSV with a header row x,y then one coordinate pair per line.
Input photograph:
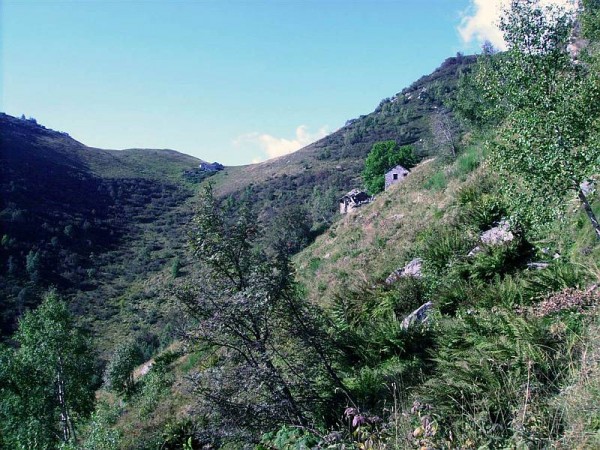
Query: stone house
x,y
352,200
395,175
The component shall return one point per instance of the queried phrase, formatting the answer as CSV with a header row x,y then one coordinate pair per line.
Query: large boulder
x,y
497,235
412,269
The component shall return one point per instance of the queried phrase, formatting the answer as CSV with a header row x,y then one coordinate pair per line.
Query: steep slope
x,y
367,245
335,162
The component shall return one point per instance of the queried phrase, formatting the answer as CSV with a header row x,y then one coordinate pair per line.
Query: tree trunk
x,y
65,418
589,211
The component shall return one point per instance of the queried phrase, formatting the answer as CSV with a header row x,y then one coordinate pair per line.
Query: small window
x,y
395,176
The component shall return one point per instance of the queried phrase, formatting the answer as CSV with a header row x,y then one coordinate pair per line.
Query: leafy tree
x,y
382,157
276,367
549,107
32,265
290,230
119,372
46,384
323,205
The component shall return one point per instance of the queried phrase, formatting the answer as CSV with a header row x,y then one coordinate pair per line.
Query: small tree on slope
x,y
549,107
383,157
46,384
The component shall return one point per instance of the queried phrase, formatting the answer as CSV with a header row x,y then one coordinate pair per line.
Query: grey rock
x,y
537,265
412,269
474,251
418,316
498,235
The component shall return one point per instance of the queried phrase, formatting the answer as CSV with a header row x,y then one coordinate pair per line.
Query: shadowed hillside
x,y
82,219
95,222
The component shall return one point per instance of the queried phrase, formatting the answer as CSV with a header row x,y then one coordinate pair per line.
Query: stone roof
x,y
398,168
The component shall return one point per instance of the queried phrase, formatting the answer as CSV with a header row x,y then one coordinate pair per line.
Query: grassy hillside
x,y
335,162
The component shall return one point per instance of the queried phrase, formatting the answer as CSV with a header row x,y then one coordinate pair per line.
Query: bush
x,y
495,371
287,438
495,261
467,162
437,182
442,247
557,276
119,372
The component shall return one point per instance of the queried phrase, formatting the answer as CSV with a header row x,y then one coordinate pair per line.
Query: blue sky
x,y
231,81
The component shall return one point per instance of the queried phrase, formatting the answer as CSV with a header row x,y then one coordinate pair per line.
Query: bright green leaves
x,y
46,382
548,106
119,373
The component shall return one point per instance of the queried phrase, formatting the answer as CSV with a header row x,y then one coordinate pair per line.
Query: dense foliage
x,y
274,364
547,100
47,382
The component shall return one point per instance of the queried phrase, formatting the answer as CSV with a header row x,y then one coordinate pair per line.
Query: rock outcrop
x,y
412,269
497,235
418,316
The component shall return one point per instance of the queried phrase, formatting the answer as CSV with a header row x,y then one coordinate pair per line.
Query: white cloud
x,y
480,20
272,146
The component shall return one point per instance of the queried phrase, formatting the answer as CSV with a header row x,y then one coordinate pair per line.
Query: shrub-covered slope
x,y
507,356
96,223
88,221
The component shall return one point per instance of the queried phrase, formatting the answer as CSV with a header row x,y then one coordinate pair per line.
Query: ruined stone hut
x,y
395,175
353,199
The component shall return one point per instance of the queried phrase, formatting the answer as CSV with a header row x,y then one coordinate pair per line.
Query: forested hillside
x,y
456,309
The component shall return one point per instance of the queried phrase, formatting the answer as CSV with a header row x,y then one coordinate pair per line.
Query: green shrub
x,y
119,372
406,295
467,162
176,267
314,264
494,372
177,433
155,384
287,438
557,276
441,247
495,261
437,182
99,432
